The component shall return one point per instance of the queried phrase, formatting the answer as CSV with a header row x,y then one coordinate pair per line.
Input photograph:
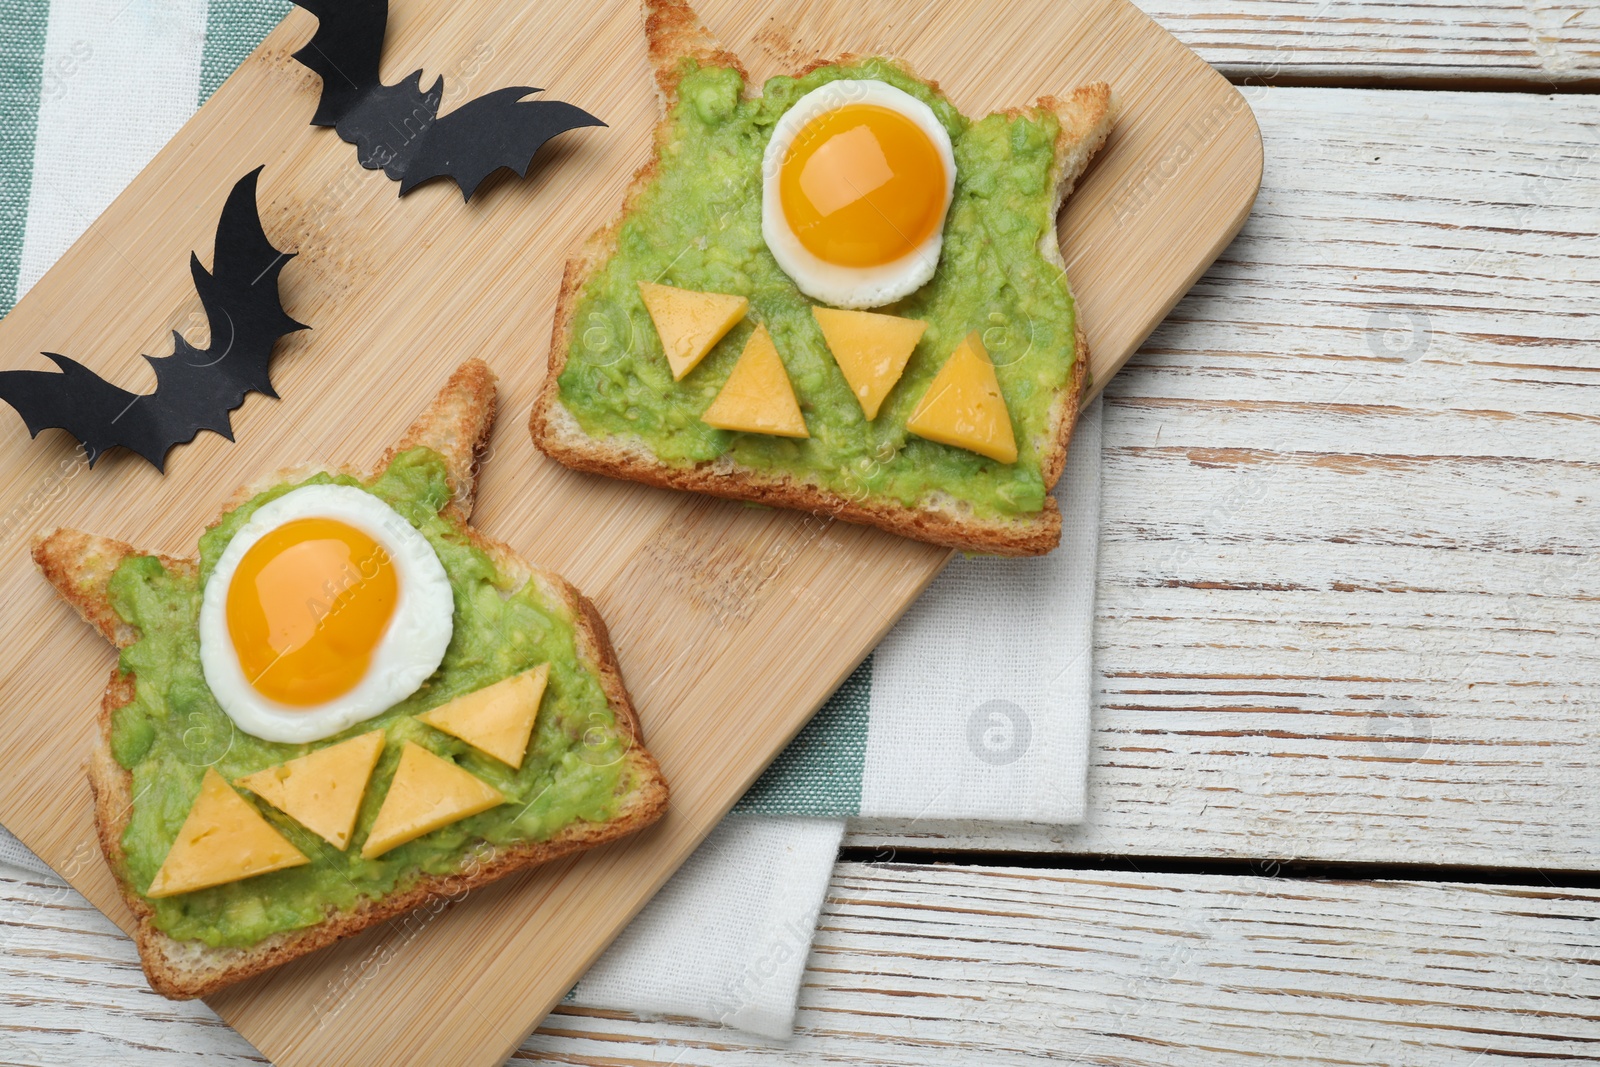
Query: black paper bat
x,y
398,129
195,390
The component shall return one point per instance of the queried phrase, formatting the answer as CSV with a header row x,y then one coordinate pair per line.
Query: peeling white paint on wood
x,y
960,966
1531,43
1349,570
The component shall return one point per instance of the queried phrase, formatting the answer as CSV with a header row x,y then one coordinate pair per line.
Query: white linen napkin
x,y
975,707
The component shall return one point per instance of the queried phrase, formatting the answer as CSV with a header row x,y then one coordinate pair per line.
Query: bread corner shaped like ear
x,y
80,566
457,425
675,33
1086,115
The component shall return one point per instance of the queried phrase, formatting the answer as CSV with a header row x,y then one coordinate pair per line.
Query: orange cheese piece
x,y
963,406
690,323
497,719
427,792
322,790
871,349
223,839
757,397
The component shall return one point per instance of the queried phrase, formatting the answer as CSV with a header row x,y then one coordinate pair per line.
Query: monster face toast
x,y
350,702
838,294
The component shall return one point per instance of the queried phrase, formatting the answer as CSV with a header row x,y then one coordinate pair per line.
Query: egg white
x,y
408,653
850,287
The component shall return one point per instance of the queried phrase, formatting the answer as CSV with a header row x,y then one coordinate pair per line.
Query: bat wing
x,y
397,128
498,129
198,389
79,401
195,389
345,51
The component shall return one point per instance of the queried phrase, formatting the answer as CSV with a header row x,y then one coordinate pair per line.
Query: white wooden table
x,y
1345,800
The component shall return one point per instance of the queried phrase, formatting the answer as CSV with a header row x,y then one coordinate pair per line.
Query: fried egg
x,y
326,608
856,182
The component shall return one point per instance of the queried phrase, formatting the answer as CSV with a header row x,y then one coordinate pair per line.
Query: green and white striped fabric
x,y
975,707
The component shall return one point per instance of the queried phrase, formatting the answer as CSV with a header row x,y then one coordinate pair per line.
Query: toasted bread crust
x,y
673,34
80,566
457,426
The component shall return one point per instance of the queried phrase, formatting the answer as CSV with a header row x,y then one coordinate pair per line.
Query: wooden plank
x,y
919,965
1365,42
398,292
1346,603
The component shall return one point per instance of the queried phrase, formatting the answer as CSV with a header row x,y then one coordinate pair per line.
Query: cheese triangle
x,y
497,719
963,406
322,790
427,792
757,397
223,839
690,323
871,349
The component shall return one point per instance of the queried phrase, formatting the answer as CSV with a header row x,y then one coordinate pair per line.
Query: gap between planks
x,y
1255,867
1454,83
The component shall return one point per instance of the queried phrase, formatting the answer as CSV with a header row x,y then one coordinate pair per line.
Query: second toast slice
x,y
691,219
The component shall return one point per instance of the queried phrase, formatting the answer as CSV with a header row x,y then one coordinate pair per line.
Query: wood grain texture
x,y
957,966
1349,553
1366,42
732,623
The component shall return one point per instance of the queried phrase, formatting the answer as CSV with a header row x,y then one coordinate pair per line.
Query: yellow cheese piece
x,y
871,349
690,323
963,407
497,719
427,792
757,397
223,839
322,790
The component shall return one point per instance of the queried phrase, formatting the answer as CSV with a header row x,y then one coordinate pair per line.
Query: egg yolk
x,y
307,608
862,185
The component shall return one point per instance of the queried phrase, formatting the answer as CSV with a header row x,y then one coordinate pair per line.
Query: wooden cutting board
x,y
733,624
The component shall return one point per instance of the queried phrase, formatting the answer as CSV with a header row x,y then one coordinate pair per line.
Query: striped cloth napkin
x,y
975,707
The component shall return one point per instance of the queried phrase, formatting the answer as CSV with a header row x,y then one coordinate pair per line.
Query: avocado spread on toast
x,y
174,729
697,225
